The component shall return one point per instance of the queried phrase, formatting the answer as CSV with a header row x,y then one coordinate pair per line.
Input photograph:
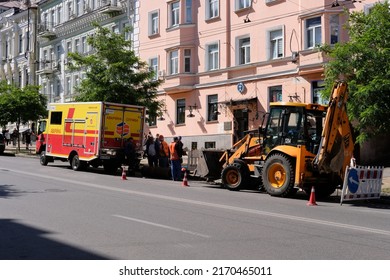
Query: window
x,y
68,86
174,62
58,52
212,105
20,43
52,18
68,47
318,86
212,9
58,88
188,11
69,9
152,120
77,45
187,60
276,41
180,111
313,32
59,13
84,44
45,58
175,13
244,49
76,81
20,78
153,66
242,4
153,23
27,75
212,62
334,29
55,117
78,7
209,145
275,94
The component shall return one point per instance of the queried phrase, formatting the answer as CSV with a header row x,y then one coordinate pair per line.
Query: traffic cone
x,y
124,172
312,200
185,182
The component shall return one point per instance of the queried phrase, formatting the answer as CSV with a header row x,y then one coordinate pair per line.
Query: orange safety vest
x,y
164,150
174,155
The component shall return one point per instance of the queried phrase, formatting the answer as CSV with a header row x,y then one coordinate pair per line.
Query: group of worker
x,y
161,154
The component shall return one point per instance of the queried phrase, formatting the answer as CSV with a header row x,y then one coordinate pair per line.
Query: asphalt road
x,y
53,212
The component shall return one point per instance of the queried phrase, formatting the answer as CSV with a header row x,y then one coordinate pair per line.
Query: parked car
x,y
2,144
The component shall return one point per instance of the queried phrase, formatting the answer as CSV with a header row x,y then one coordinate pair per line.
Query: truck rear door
x,y
121,122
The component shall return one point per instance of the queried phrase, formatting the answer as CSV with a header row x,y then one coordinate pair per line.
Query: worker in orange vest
x,y
163,152
175,160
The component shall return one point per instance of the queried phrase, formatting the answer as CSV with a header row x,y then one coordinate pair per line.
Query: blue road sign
x,y
353,181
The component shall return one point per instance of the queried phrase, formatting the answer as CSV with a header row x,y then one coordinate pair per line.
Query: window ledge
x,y
213,19
151,36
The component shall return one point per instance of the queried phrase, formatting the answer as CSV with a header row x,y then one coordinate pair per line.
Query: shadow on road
x,y
21,242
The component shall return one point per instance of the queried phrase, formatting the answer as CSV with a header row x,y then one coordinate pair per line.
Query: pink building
x,y
224,61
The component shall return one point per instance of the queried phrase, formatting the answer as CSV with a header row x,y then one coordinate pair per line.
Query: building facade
x,y
224,61
221,61
64,27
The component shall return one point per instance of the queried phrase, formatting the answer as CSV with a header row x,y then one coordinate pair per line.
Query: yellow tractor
x,y
301,146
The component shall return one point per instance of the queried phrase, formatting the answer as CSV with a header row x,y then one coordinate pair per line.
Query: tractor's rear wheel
x,y
279,175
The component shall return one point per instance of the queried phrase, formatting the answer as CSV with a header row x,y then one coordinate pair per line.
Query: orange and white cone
x,y
312,200
185,182
124,172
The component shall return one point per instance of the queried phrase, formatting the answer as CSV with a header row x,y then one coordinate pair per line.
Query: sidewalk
x,y
11,149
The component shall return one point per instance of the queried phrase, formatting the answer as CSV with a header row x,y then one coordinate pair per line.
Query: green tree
x,y
20,105
114,73
364,62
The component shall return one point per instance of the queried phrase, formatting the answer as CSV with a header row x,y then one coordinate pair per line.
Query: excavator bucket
x,y
209,165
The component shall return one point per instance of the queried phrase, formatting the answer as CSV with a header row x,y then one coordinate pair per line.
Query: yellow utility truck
x,y
90,133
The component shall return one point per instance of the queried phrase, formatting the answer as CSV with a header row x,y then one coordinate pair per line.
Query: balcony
x,y
48,67
46,30
110,7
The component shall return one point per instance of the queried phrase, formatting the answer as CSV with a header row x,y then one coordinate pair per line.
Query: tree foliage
x,y
114,73
364,62
20,105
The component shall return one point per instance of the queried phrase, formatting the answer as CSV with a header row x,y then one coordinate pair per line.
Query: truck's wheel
x,y
234,177
76,163
43,160
278,175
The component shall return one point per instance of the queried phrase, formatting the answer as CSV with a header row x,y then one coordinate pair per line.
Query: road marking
x,y
211,205
162,226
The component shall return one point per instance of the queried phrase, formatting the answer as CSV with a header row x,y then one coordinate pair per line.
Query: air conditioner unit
x,y
161,73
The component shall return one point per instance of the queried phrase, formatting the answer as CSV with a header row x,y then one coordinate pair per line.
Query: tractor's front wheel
x,y
234,177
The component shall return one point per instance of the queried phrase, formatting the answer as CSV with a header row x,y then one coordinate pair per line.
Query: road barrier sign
x,y
362,182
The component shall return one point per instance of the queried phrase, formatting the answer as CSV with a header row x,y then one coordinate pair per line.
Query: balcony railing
x,y
110,6
46,29
47,67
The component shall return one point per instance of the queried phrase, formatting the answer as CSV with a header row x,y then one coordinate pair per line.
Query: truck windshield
x,y
41,126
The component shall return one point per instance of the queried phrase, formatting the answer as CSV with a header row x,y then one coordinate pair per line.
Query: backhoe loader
x,y
301,146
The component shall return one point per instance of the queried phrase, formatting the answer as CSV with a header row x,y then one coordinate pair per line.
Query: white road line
x,y
162,226
212,205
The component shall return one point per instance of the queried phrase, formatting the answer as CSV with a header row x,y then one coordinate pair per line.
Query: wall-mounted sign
x,y
240,87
